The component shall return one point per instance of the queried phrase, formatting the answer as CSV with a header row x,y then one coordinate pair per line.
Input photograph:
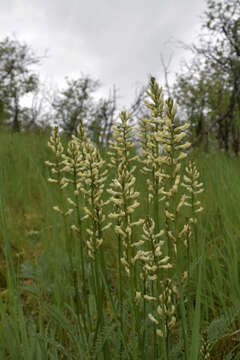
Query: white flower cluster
x,y
153,259
163,149
165,317
56,146
92,187
82,168
149,135
123,195
56,167
193,187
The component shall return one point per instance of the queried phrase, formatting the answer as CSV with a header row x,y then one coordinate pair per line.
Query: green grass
x,y
42,315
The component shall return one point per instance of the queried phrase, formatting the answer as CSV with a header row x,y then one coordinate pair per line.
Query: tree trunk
x,y
236,142
226,136
16,122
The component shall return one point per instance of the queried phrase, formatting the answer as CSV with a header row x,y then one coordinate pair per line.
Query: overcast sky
x,y
117,42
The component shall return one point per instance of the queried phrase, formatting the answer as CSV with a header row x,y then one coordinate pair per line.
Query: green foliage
x,y
45,306
208,91
17,78
74,103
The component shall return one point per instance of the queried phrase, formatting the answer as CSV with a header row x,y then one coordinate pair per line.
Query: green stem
x,y
120,288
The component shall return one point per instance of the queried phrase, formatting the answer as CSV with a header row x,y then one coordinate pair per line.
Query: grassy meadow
x,y
114,258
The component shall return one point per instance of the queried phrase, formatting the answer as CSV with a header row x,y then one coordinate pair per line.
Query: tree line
x,y
207,90
65,107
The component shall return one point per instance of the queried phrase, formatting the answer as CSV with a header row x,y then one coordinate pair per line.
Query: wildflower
x,y
152,318
68,212
52,180
74,228
124,197
56,208
193,187
138,296
149,298
159,332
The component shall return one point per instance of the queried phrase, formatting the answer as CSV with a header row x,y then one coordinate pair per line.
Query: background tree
x,y
17,78
222,51
138,109
209,91
104,115
38,115
75,103
192,90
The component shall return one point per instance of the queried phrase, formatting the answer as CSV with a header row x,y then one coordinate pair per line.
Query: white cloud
x,y
118,42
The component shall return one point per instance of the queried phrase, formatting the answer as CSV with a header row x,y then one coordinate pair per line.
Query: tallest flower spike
x,y
150,129
163,149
